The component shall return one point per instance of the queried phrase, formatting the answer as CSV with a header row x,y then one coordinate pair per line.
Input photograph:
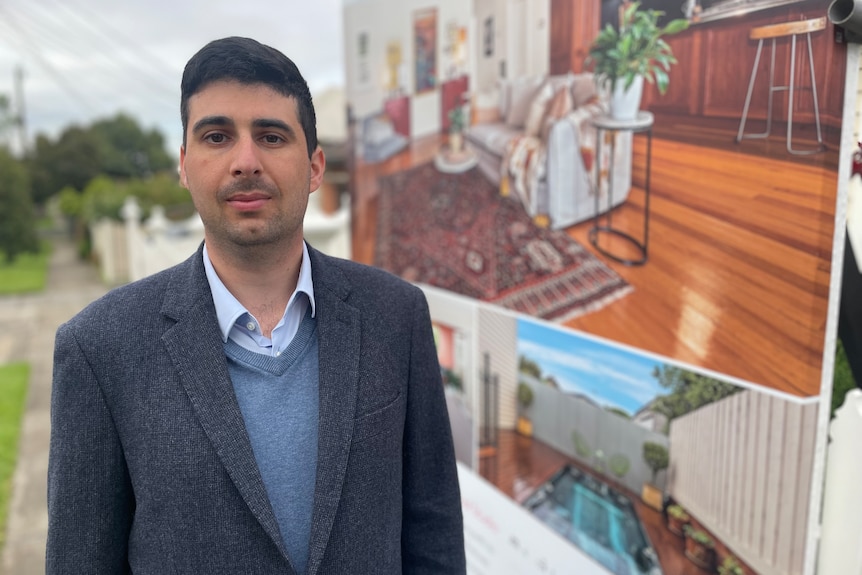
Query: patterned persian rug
x,y
454,231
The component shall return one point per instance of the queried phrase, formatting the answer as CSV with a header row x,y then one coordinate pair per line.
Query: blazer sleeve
x,y
432,531
90,500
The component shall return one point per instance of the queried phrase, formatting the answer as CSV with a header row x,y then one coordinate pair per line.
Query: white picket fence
x,y
133,249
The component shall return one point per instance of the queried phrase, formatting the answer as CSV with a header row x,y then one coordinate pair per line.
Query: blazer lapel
x,y
338,328
195,346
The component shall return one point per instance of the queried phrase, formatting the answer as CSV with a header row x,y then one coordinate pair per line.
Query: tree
x,y
688,391
656,457
73,160
618,411
128,151
115,147
6,118
529,367
581,447
619,465
17,219
551,381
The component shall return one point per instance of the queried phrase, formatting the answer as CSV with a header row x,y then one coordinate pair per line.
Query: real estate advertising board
x,y
634,311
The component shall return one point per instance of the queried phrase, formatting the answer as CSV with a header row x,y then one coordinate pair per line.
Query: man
x,y
261,407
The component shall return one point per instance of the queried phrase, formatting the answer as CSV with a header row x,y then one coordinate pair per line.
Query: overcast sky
x,y
88,59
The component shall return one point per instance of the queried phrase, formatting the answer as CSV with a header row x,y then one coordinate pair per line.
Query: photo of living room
x,y
479,161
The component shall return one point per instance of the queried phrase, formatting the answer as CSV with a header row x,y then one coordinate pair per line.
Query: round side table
x,y
642,123
450,162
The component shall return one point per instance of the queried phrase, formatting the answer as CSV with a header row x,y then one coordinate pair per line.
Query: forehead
x,y
239,101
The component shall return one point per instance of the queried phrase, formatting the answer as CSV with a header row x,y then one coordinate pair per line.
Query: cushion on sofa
x,y
491,137
520,96
583,89
538,110
485,106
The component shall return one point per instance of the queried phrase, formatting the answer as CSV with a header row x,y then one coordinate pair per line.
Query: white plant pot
x,y
625,104
456,142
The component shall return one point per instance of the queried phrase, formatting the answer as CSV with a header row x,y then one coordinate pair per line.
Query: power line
x,y
57,36
23,44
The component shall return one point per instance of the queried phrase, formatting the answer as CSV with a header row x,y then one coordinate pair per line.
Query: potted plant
x,y
457,123
619,465
621,58
699,547
581,448
656,457
677,519
525,400
730,566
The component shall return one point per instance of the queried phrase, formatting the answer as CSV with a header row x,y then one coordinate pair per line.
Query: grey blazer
x,y
151,470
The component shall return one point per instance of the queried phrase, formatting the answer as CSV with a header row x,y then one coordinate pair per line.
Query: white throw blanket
x,y
524,163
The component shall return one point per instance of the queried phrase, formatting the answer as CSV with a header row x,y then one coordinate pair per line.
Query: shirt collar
x,y
228,309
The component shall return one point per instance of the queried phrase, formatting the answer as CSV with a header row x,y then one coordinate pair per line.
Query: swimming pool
x,y
599,520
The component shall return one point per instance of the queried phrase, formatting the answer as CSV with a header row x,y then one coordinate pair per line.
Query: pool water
x,y
599,520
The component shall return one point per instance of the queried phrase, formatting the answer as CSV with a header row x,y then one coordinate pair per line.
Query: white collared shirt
x,y
236,323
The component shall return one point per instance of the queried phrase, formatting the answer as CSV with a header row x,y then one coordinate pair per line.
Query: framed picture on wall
x,y
363,75
488,37
425,48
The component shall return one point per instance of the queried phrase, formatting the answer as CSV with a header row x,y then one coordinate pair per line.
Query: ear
x,y
318,167
184,181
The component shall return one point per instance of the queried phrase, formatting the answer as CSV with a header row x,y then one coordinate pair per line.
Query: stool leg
x,y
739,134
792,83
772,89
820,146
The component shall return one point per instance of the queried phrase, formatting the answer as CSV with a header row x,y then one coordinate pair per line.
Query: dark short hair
x,y
248,62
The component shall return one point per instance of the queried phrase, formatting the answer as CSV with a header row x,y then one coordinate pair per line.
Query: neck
x,y
261,278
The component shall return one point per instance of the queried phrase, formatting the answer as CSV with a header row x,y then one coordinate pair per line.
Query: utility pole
x,y
20,116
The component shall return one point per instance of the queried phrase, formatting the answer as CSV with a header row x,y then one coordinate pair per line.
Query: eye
x,y
273,139
215,138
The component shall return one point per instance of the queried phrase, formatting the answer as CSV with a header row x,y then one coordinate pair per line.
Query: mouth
x,y
248,202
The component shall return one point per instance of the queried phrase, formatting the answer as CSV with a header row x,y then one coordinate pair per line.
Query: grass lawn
x,y
27,274
13,391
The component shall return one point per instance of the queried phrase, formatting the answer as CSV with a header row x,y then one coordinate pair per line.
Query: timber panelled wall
x,y
742,468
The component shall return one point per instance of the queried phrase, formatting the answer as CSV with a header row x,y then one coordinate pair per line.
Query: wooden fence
x,y
742,466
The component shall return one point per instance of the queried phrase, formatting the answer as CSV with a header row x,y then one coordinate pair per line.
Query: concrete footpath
x,y
27,327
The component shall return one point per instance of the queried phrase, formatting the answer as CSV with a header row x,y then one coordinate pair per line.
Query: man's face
x,y
245,163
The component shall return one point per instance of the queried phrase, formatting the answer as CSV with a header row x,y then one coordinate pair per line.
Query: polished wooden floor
x,y
518,465
740,241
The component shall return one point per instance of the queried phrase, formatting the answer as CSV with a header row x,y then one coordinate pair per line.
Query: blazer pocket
x,y
387,419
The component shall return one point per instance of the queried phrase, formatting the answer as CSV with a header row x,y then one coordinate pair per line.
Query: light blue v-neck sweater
x,y
278,397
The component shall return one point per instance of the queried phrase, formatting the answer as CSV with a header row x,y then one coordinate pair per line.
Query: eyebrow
x,y
224,121
208,121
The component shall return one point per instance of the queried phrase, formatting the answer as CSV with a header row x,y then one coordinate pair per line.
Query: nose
x,y
245,158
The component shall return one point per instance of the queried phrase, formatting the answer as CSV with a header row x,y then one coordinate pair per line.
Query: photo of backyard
x,y
645,465
481,162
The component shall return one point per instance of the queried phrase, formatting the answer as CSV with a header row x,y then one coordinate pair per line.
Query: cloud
x,y
606,372
88,59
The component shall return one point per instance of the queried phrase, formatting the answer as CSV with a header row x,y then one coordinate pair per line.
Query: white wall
x,y
498,336
386,21
522,40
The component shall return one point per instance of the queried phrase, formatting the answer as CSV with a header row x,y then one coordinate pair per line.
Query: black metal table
x,y
642,123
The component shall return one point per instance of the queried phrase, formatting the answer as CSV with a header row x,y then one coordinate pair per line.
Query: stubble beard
x,y
247,235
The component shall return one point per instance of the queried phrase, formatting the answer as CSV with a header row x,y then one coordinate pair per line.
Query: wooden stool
x,y
774,31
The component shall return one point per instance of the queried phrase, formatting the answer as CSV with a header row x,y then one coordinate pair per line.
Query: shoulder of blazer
x,y
148,297
349,279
